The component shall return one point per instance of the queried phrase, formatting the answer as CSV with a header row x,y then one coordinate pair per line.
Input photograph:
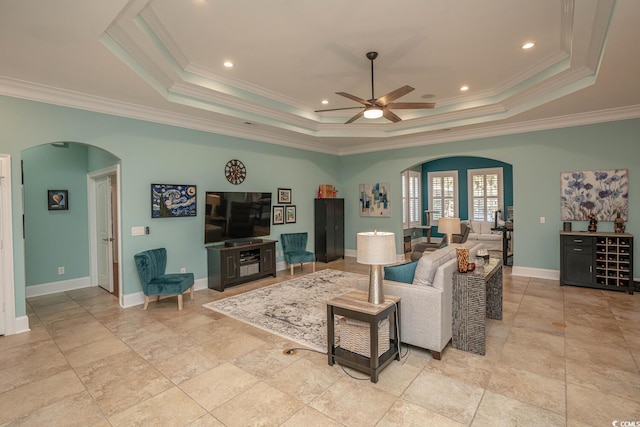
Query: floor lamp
x,y
449,226
376,248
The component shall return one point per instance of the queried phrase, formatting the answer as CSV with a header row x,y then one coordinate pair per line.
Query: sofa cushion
x,y
401,273
428,265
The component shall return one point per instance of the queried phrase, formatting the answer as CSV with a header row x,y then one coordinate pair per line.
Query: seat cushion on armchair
x,y
298,257
401,273
169,284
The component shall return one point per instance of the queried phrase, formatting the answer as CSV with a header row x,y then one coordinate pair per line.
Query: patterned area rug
x,y
295,309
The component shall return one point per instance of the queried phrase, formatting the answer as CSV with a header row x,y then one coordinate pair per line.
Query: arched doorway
x,y
61,250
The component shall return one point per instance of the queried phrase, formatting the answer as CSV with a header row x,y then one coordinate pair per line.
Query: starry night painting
x,y
603,193
171,200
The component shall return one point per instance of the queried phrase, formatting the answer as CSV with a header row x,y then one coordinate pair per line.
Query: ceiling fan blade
x,y
336,109
392,96
355,98
389,115
410,105
354,118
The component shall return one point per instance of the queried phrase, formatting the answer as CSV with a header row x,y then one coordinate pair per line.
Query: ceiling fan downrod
x,y
371,56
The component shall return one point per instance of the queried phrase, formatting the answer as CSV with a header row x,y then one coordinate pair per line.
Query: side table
x,y
476,295
355,305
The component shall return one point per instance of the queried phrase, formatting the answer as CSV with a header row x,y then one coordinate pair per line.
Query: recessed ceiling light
x,y
228,64
528,45
464,88
325,102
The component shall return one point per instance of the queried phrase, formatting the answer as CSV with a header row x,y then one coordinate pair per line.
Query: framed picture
x,y
173,200
58,200
284,195
603,193
290,214
278,215
375,199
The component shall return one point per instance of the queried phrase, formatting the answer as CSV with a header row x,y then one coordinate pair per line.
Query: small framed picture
x,y
290,214
58,200
278,215
284,195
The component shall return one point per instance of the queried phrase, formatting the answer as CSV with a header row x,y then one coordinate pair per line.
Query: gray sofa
x,y
426,309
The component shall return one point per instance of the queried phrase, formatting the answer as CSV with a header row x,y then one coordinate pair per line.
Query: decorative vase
x,y
463,259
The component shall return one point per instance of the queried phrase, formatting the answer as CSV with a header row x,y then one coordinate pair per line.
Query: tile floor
x,y
561,356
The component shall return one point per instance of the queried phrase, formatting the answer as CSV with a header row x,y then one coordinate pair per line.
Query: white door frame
x,y
93,244
7,282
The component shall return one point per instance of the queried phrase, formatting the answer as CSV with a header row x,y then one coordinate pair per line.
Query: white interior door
x,y
104,233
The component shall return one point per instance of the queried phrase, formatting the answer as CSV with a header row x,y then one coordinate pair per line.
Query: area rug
x,y
295,309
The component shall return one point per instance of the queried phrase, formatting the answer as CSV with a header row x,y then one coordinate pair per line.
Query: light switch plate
x,y
137,231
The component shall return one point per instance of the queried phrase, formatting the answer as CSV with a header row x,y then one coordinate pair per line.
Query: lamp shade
x,y
449,225
376,248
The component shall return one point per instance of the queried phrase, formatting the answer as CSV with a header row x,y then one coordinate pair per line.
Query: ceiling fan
x,y
375,108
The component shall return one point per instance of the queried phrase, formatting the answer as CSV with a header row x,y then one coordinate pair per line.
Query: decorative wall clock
x,y
235,171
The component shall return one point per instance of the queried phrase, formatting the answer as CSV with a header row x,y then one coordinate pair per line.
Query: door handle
x,y
110,239
577,249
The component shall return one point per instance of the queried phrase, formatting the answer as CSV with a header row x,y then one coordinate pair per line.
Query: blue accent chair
x,y
151,265
294,246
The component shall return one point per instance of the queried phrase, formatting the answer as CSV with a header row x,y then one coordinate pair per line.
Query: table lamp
x,y
449,226
376,248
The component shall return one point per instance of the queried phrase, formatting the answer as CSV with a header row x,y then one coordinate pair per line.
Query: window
x,y
411,199
485,193
443,194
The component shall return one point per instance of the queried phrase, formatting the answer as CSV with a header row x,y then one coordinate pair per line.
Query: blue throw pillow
x,y
401,273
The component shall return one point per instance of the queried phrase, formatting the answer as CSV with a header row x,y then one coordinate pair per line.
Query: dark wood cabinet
x,y
597,260
329,229
232,265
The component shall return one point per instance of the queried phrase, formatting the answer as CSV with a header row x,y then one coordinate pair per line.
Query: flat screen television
x,y
231,215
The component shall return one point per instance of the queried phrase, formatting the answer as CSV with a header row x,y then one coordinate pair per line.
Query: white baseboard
x,y
55,287
539,273
21,325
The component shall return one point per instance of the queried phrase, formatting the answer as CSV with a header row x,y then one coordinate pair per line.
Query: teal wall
x,y
55,238
537,158
462,164
157,153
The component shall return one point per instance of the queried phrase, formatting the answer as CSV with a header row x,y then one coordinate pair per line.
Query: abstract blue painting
x,y
375,200
171,200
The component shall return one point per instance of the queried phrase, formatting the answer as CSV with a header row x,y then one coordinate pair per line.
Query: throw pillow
x,y
428,265
401,273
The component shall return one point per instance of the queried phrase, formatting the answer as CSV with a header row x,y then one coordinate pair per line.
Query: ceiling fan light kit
x,y
373,113
380,107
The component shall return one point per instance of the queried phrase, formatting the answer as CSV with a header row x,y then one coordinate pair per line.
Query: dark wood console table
x,y
232,265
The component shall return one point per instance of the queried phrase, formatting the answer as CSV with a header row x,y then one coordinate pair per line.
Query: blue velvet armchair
x,y
294,246
151,265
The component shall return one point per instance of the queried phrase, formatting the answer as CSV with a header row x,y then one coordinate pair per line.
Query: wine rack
x,y
597,260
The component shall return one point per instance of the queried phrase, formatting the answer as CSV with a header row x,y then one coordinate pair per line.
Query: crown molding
x,y
50,95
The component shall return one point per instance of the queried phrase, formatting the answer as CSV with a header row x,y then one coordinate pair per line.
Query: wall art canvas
x,y
173,200
603,193
58,200
375,200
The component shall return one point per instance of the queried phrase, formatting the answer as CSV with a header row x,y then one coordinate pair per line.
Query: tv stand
x,y
244,261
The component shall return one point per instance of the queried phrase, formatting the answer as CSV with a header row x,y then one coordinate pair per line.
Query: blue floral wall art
x,y
603,193
374,200
171,200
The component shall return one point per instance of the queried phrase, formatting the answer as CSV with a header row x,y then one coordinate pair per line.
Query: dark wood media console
x,y
240,263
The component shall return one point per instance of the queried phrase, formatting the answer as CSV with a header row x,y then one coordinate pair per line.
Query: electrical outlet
x,y
542,220
60,270
183,270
